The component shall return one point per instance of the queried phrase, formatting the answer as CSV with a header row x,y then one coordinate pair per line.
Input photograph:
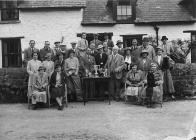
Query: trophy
x,y
96,68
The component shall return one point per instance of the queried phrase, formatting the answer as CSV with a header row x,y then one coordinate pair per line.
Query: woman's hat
x,y
119,42
70,51
41,68
99,47
127,48
159,48
164,38
144,51
153,64
115,48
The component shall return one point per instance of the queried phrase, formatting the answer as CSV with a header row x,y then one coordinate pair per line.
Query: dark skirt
x,y
57,92
74,85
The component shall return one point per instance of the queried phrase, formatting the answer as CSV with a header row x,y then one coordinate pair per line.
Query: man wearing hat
x,y
45,51
96,41
115,65
110,43
167,49
56,49
29,51
101,57
119,44
148,48
135,51
144,62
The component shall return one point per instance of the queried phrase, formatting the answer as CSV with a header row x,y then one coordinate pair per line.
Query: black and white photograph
x,y
97,69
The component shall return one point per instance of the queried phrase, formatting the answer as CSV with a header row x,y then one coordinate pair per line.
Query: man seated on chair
x,y
57,86
134,82
40,83
154,88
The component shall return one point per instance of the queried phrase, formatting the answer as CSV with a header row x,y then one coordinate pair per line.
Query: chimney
x,y
134,4
194,8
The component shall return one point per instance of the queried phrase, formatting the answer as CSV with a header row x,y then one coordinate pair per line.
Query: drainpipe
x,y
157,34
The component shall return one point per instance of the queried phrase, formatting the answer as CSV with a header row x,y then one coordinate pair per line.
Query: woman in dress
x,y
32,68
134,82
48,65
57,86
40,83
71,68
154,89
165,63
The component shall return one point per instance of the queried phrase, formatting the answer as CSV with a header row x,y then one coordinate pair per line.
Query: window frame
x,y
9,52
13,18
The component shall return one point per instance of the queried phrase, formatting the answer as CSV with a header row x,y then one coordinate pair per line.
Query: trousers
x,y
114,86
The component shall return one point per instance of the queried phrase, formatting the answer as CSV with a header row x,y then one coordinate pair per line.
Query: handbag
x,y
132,91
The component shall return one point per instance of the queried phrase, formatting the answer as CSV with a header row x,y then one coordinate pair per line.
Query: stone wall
x,y
13,82
13,85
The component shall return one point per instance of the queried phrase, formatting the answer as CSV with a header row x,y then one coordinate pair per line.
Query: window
x,y
9,10
11,52
124,10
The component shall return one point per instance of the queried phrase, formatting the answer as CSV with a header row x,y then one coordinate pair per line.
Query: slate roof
x,y
52,4
97,12
147,11
161,11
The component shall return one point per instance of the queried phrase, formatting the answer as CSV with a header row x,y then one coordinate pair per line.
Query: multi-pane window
x,y
11,52
124,10
9,10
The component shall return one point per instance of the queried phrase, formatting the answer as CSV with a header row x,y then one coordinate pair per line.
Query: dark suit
x,y
101,61
28,53
43,53
121,51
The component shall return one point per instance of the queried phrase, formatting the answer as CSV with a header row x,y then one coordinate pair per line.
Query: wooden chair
x,y
48,97
65,98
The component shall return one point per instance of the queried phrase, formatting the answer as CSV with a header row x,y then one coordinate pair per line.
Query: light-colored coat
x,y
119,64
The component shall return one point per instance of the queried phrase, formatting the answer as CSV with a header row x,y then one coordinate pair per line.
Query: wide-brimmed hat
x,y
99,47
41,68
119,42
144,51
127,48
73,42
145,39
164,38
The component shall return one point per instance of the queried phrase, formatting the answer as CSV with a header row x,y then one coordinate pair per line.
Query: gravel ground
x,y
97,121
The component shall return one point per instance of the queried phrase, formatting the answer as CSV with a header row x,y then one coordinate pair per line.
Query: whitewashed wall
x,y
52,25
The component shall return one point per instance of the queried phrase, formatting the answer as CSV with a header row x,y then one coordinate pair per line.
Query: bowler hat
x,y
164,38
56,42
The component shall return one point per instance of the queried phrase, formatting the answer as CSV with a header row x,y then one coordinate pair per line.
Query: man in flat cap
x,y
119,44
96,41
145,46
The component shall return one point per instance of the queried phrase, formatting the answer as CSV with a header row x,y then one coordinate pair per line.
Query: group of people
x,y
144,67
